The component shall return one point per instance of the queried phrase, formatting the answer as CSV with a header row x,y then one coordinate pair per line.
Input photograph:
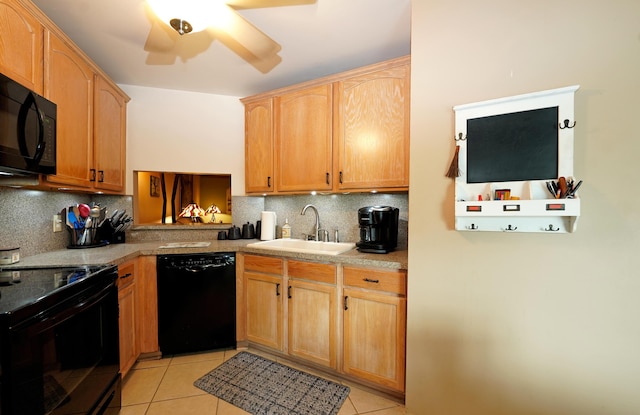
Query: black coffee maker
x,y
378,229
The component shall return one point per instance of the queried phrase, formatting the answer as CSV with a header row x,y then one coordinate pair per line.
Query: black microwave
x,y
27,130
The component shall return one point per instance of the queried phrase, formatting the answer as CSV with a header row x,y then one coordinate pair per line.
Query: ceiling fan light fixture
x,y
184,16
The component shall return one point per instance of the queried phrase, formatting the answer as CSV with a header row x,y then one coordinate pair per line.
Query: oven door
x,y
65,359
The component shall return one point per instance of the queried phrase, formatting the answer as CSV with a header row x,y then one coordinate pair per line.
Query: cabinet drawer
x,y
126,273
394,281
263,264
312,271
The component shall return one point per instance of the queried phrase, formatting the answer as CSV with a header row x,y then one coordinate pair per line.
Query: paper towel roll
x,y
268,231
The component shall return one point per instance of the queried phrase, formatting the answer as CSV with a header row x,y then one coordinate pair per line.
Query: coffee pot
x,y
378,229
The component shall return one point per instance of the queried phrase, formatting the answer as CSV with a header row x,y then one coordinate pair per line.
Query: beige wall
x,y
187,131
526,323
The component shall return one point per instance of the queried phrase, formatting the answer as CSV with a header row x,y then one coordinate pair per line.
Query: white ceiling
x,y
318,39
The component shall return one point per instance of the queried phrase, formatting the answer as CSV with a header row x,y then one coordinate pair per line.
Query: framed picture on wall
x,y
154,186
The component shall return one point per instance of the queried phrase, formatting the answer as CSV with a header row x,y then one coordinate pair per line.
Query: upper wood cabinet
x,y
345,132
259,149
91,110
303,138
21,45
372,130
69,83
109,137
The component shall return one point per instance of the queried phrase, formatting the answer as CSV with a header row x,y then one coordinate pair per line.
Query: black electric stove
x,y
24,291
59,352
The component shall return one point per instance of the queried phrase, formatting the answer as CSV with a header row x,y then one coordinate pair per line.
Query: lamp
x,y
212,210
193,211
186,16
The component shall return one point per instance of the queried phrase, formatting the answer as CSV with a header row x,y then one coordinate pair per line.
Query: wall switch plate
x,y
57,223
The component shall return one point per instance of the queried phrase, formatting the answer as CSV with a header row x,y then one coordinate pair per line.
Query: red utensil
x,y
84,210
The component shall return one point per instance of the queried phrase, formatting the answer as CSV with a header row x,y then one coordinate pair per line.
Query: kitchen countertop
x,y
119,253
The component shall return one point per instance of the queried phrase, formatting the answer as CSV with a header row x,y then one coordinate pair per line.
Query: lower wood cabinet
x,y
263,282
350,320
311,300
375,325
127,316
147,306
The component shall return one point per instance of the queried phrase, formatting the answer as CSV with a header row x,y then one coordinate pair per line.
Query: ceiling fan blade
x,y
161,37
262,63
245,33
160,59
256,4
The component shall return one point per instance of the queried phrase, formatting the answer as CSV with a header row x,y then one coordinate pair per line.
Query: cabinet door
x,y
264,309
312,322
147,311
304,140
374,337
21,50
372,129
127,317
109,137
259,151
69,83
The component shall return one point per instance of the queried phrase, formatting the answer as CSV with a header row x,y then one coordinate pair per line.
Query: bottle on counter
x,y
286,229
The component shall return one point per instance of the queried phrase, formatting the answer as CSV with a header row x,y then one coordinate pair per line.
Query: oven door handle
x,y
54,316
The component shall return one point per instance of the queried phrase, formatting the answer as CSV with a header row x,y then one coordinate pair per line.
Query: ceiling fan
x,y
186,28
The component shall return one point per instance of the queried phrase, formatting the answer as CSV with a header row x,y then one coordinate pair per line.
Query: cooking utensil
x,y
84,210
562,184
73,219
103,216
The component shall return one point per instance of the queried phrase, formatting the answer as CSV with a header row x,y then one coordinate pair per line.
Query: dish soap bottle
x,y
286,229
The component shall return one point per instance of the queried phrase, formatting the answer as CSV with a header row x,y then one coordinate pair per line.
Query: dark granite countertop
x,y
119,253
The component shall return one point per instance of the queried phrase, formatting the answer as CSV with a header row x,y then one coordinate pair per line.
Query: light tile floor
x,y
165,386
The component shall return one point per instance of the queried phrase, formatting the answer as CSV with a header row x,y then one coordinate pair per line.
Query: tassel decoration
x,y
454,170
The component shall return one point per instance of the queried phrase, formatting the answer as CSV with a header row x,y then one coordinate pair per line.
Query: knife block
x,y
108,234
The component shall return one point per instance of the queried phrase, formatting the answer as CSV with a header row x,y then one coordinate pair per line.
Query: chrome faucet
x,y
317,227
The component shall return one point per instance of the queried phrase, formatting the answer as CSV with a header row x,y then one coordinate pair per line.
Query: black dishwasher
x,y
196,302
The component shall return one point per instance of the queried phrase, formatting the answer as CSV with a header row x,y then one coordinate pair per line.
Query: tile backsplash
x,y
26,217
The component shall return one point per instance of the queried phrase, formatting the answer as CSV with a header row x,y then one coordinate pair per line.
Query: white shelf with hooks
x,y
533,208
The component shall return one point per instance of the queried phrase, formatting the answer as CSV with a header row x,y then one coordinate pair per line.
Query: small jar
x,y
9,256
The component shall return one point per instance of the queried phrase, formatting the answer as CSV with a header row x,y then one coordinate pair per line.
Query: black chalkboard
x,y
518,146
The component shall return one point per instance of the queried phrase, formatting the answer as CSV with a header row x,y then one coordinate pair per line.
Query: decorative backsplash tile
x,y
26,217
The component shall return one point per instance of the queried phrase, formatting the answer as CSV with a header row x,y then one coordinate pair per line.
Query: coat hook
x,y
509,228
460,137
550,229
473,227
566,125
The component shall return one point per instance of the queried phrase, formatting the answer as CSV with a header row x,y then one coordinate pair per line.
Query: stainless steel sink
x,y
306,247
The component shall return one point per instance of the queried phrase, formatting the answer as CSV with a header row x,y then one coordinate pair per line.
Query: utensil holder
x,y
80,238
